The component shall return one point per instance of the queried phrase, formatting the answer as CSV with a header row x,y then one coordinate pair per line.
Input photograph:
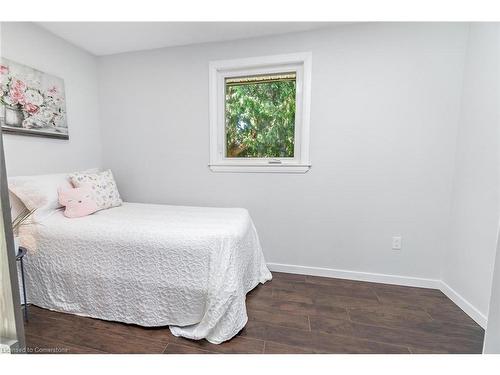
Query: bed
x,y
153,265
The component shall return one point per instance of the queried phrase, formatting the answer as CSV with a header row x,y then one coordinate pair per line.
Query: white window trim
x,y
219,70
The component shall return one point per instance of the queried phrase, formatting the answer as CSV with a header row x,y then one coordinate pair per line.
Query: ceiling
x,y
106,38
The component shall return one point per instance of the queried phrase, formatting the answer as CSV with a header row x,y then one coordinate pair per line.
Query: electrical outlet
x,y
396,243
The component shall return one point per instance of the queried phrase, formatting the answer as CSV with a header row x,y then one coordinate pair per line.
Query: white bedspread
x,y
152,265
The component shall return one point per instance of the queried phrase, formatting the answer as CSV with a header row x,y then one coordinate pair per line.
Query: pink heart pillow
x,y
78,201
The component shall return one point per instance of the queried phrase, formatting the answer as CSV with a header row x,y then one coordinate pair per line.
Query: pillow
x,y
78,201
40,192
103,185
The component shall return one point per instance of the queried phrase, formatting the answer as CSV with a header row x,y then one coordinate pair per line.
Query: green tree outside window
x,y
260,119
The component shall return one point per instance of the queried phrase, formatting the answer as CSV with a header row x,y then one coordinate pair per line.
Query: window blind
x,y
237,81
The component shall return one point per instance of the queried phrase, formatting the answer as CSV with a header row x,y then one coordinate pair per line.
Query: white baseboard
x,y
356,275
465,305
461,302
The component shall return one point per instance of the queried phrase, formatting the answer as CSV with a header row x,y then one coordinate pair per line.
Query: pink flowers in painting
x,y
16,96
31,100
31,108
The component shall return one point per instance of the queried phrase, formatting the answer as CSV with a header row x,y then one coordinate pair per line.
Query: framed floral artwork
x,y
31,102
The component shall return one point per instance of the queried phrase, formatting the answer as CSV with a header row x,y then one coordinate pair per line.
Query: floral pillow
x,y
104,190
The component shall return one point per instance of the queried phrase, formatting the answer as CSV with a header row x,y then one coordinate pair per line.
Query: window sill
x,y
264,168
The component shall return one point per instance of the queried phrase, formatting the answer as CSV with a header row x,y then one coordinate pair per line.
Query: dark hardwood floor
x,y
290,314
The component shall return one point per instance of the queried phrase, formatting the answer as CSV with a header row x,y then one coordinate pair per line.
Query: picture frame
x,y
32,102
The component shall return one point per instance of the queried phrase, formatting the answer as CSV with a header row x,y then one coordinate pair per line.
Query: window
x,y
259,114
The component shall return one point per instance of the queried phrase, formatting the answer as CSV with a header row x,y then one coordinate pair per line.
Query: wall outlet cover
x,y
396,242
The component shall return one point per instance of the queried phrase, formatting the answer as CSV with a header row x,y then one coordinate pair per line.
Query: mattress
x,y
151,265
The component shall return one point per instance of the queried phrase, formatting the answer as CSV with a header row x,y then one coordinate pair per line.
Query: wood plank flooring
x,y
290,314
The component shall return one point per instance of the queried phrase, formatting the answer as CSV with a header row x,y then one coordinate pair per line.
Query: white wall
x,y
31,45
468,265
385,105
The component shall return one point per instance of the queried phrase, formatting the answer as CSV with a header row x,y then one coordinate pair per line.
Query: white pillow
x,y
103,185
40,191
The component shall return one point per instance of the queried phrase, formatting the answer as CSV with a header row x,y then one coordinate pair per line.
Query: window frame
x,y
300,64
